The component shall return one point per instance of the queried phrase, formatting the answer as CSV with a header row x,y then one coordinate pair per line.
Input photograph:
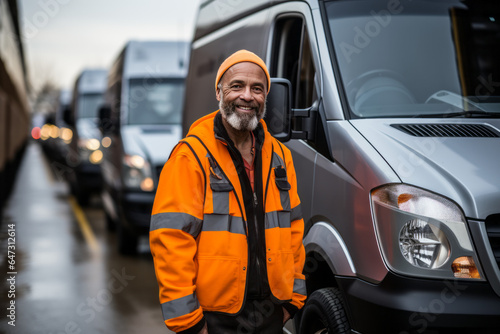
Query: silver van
x,y
392,112
84,142
141,123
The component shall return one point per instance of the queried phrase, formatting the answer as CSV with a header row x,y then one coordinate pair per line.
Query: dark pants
x,y
257,317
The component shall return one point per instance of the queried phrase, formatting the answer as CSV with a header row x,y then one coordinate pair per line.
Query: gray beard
x,y
241,122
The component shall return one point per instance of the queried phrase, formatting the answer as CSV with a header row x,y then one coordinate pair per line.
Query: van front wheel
x,y
324,313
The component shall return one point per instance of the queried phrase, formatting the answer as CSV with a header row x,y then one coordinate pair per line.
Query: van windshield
x,y
88,105
411,58
155,101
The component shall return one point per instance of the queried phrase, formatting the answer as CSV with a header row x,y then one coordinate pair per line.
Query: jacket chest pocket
x,y
219,213
221,189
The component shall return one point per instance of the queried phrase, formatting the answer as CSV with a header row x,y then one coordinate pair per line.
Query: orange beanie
x,y
239,57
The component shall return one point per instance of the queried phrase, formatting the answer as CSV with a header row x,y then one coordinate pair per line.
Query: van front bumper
x,y
408,305
136,208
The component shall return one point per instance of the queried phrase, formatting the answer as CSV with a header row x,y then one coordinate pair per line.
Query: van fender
x,y
324,239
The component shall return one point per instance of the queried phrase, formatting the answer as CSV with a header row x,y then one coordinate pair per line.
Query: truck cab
x,y
140,123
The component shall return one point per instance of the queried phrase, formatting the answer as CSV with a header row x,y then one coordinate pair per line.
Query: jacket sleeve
x,y
297,226
176,222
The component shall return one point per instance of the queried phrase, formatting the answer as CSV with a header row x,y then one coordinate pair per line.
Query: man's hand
x,y
204,330
286,315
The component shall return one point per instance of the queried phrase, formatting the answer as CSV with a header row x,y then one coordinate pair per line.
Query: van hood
x,y
463,166
154,142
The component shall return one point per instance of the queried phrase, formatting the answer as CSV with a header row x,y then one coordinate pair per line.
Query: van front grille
x,y
448,130
493,230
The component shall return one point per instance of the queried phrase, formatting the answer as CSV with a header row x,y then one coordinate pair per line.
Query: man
x,y
226,230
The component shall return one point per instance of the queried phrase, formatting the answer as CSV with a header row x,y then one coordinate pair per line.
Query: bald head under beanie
x,y
240,57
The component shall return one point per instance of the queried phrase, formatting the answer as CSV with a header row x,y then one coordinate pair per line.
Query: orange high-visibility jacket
x,y
198,233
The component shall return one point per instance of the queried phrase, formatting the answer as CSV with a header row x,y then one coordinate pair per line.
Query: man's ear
x,y
217,94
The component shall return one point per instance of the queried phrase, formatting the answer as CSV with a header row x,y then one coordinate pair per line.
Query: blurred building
x,y
14,108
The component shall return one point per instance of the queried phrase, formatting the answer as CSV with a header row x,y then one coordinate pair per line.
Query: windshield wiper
x,y
465,113
467,107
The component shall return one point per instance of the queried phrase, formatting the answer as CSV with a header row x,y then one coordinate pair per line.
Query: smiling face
x,y
242,95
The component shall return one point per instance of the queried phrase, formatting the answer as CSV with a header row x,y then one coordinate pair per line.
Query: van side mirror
x,y
279,112
105,123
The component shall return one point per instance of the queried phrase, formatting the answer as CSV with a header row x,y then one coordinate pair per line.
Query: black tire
x,y
324,312
127,241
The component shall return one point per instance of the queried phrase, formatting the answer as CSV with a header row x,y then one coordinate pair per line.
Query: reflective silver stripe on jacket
x,y
299,286
221,202
179,307
283,219
221,187
177,221
214,222
278,219
296,213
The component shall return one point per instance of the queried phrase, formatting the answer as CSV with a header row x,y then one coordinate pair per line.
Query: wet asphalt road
x,y
65,277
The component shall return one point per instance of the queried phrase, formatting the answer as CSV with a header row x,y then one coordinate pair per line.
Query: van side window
x,y
292,59
305,91
286,49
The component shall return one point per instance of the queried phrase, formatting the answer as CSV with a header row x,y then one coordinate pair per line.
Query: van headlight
x,y
88,149
137,173
422,234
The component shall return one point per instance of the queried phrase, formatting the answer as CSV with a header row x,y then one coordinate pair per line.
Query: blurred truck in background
x,y
84,154
140,123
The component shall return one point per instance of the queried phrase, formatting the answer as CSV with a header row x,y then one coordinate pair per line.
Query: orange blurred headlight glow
x,y
96,157
147,184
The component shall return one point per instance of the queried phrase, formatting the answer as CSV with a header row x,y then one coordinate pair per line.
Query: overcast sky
x,y
61,37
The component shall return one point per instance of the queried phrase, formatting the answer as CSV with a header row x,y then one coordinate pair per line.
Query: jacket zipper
x,y
258,263
234,189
